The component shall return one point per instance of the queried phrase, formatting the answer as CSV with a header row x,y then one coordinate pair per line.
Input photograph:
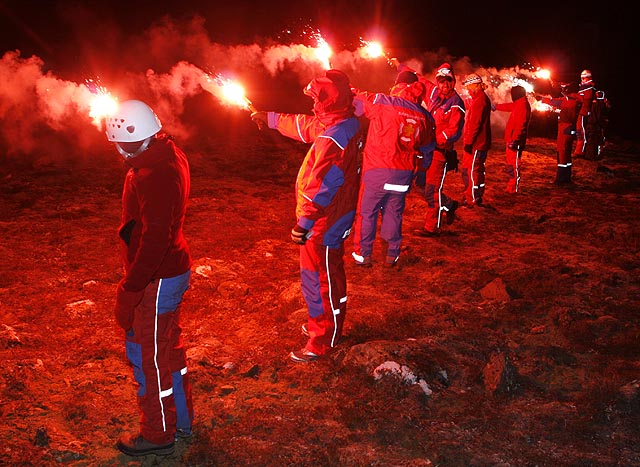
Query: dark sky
x,y
564,36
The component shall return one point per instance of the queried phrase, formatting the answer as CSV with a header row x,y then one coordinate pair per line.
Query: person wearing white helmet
x,y
157,266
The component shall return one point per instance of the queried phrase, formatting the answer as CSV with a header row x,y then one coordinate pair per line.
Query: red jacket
x,y
477,127
448,113
518,123
586,93
328,180
398,130
154,204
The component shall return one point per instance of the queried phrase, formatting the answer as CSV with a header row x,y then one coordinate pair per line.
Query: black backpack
x,y
599,110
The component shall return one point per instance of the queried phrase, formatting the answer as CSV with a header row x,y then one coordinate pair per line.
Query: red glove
x,y
125,303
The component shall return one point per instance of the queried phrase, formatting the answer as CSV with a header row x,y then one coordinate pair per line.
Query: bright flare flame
x,y
323,53
234,93
102,103
322,50
543,74
371,49
229,92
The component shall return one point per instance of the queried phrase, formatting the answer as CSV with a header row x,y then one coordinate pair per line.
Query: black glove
x,y
468,148
260,119
451,157
299,235
513,145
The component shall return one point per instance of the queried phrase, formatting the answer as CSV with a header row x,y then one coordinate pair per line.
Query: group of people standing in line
x,y
407,138
582,120
367,151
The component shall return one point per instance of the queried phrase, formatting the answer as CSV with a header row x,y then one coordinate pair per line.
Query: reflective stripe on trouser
x,y
155,349
564,143
473,174
512,170
324,288
437,201
379,195
581,136
564,146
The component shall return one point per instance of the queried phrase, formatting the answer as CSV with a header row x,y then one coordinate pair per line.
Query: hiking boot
x,y
303,356
391,261
138,446
424,233
364,261
182,433
451,212
305,331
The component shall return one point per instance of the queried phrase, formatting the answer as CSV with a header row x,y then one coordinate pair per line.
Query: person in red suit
x,y
399,129
157,265
447,108
515,134
585,147
477,141
326,198
568,114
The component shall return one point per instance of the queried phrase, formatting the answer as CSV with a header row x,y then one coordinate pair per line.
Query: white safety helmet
x,y
133,121
585,75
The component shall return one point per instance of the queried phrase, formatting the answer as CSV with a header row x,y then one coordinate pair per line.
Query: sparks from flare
x,y
322,50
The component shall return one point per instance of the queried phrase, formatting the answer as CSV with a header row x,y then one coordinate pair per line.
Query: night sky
x,y
565,37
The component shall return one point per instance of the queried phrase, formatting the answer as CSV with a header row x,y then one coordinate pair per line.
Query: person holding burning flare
x,y
568,106
157,273
326,197
515,134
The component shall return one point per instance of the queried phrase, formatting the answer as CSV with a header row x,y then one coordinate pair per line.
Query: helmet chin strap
x,y
128,155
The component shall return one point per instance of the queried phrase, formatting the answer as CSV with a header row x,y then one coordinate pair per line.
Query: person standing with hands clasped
x,y
515,134
327,193
157,273
448,111
477,141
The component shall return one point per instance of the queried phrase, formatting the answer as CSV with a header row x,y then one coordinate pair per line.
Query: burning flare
x,y
101,104
371,49
543,74
323,53
228,91
322,50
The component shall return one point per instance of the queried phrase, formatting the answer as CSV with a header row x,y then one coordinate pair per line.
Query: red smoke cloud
x,y
43,115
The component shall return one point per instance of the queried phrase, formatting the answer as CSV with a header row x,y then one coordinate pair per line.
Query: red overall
x,y
477,138
158,267
515,138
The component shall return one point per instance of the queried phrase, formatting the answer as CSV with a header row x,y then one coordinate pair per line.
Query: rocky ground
x,y
510,340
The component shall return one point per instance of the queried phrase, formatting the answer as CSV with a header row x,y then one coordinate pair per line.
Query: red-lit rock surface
x,y
521,320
